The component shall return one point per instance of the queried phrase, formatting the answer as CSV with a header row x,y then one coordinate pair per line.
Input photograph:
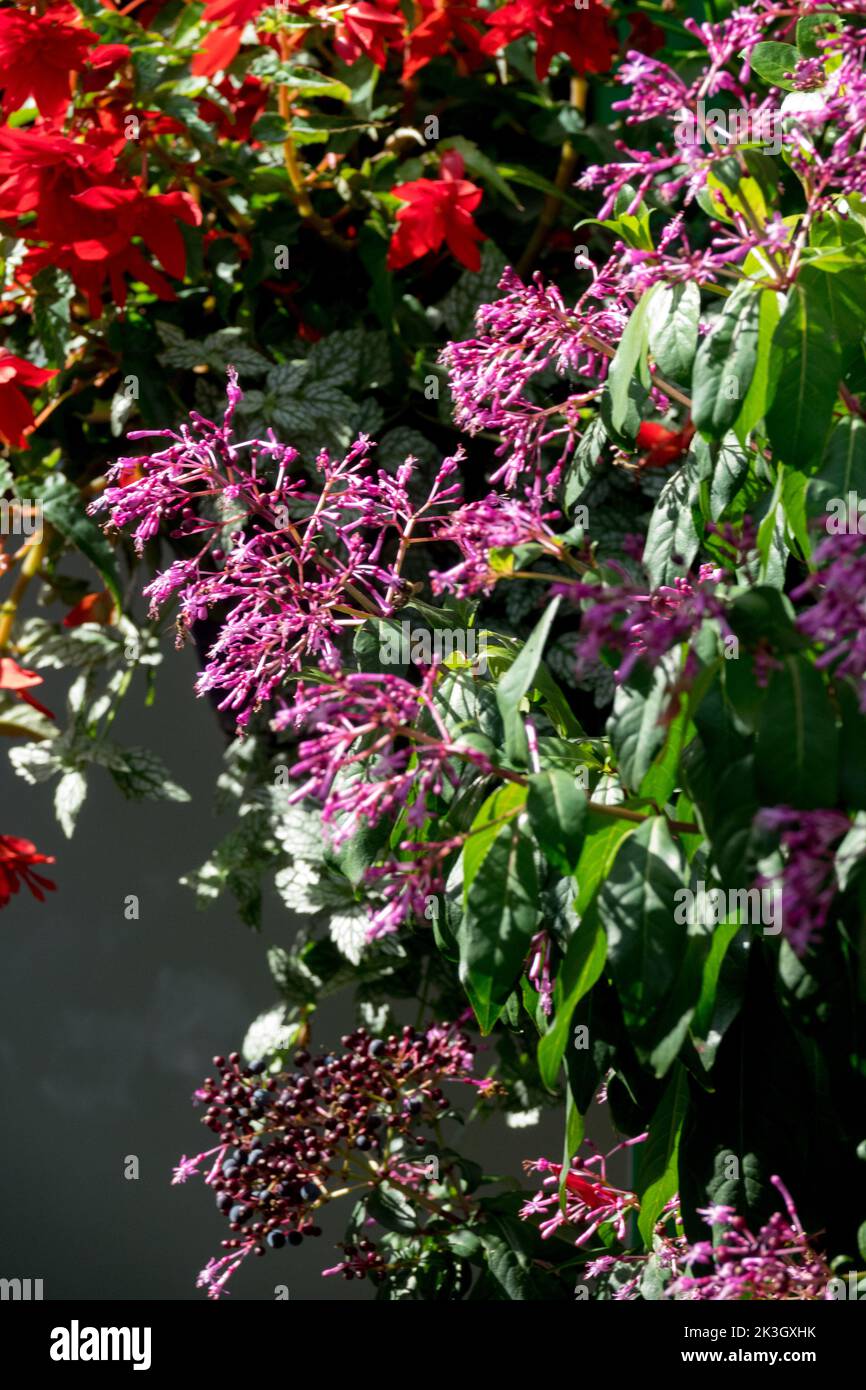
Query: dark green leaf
x,y
725,363
557,815
797,748
63,507
805,367
500,919
658,1178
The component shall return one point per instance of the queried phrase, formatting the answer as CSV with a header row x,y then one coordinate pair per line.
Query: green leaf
x,y
483,167
843,468
518,679
718,1005
838,299
725,364
500,920
636,728
673,537
805,367
658,1178
518,173
604,836
69,795
763,614
812,27
730,191
673,329
583,964
755,403
142,775
772,61
661,777
557,814
63,507
630,358
391,1209
303,80
512,1259
636,908
797,747
486,826
574,1130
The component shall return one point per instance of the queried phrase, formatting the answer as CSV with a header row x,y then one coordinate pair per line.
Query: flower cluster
x,y
837,617
590,1200
777,1262
381,751
818,126
377,28
808,840
89,214
496,522
495,375
291,567
643,626
290,1143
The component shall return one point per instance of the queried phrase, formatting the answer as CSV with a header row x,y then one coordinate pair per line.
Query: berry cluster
x,y
284,1138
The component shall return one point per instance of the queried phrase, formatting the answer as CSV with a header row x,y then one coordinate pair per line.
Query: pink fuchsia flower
x,y
538,971
369,759
380,750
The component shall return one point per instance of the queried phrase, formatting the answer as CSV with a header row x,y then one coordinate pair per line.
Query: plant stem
x,y
29,568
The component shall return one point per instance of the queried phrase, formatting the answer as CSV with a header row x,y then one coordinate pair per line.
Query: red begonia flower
x,y
16,414
41,171
37,55
437,210
221,45
13,677
104,249
585,36
369,28
443,23
17,858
